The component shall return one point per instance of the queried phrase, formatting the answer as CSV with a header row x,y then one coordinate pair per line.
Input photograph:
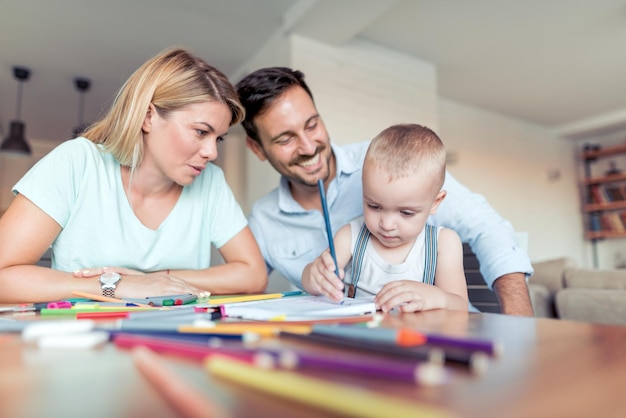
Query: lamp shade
x,y
16,142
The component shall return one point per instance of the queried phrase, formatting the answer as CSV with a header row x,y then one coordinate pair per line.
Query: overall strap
x,y
357,259
430,259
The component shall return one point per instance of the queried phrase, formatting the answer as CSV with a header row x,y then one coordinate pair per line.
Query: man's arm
x,y
512,293
503,265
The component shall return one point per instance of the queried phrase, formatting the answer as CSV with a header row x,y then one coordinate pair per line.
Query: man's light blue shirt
x,y
290,237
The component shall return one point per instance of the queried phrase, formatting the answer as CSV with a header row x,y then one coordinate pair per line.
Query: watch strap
x,y
109,292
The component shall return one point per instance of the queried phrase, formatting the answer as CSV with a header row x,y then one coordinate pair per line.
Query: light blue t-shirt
x,y
291,237
80,187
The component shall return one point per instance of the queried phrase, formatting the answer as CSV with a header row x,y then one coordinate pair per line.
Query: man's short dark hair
x,y
260,88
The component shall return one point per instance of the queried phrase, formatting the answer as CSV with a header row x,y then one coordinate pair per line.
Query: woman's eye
x,y
201,132
220,139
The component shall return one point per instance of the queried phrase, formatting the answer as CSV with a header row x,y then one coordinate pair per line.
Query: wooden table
x,y
550,368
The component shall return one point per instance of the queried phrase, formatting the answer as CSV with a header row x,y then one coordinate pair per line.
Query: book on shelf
x,y
595,223
597,194
614,193
613,222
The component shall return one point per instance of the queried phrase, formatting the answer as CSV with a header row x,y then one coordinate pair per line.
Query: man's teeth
x,y
311,161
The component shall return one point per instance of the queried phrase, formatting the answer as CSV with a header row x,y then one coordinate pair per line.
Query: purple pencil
x,y
492,347
408,337
425,373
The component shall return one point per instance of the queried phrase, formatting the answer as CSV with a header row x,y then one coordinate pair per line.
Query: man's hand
x,y
512,293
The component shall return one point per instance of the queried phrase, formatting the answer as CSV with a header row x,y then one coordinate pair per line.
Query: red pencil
x,y
102,315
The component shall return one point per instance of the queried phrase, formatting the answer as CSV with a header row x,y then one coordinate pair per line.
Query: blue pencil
x,y
329,231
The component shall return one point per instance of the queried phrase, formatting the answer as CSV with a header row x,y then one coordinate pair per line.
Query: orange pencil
x,y
184,399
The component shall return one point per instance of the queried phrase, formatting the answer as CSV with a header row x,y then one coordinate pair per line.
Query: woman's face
x,y
180,145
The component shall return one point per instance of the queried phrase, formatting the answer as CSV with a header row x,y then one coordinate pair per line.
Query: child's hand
x,y
319,278
409,296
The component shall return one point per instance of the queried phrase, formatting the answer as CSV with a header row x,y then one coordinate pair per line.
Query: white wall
x,y
527,174
362,88
13,167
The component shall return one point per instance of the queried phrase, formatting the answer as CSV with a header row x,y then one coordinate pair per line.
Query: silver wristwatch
x,y
108,283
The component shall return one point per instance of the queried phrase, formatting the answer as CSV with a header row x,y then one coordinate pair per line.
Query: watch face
x,y
110,278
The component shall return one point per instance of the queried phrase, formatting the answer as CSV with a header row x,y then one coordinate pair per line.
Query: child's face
x,y
396,211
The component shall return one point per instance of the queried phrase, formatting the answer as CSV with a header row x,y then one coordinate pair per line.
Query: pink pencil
x,y
183,349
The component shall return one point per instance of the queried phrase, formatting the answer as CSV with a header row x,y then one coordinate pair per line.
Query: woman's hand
x,y
137,284
154,284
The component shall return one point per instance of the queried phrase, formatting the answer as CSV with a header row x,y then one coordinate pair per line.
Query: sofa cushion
x,y
595,279
602,306
542,301
549,273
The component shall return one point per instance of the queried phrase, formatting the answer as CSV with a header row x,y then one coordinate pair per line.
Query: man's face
x,y
294,139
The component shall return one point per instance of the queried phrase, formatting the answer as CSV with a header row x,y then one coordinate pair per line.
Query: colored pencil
x,y
329,230
491,347
422,353
423,373
102,298
105,315
157,314
477,362
407,338
195,351
213,301
74,312
401,337
186,401
204,339
182,318
323,394
260,328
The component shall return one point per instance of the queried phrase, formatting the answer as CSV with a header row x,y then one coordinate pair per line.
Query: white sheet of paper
x,y
298,307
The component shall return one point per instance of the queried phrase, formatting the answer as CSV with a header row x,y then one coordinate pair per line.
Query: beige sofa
x,y
560,289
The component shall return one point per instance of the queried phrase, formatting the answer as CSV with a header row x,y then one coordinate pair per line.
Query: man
x,y
284,128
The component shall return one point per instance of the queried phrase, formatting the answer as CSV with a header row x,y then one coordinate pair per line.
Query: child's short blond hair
x,y
405,149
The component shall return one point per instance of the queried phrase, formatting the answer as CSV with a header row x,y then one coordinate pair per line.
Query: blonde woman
x,y
132,207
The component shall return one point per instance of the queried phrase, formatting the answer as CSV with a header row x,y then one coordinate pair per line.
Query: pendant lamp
x,y
82,85
15,142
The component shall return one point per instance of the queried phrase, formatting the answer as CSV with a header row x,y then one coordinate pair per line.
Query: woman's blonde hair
x,y
170,80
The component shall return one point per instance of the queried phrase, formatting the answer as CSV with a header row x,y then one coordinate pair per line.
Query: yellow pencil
x,y
262,329
245,298
323,394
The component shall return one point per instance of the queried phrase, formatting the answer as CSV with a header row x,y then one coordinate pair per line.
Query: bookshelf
x,y
604,205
